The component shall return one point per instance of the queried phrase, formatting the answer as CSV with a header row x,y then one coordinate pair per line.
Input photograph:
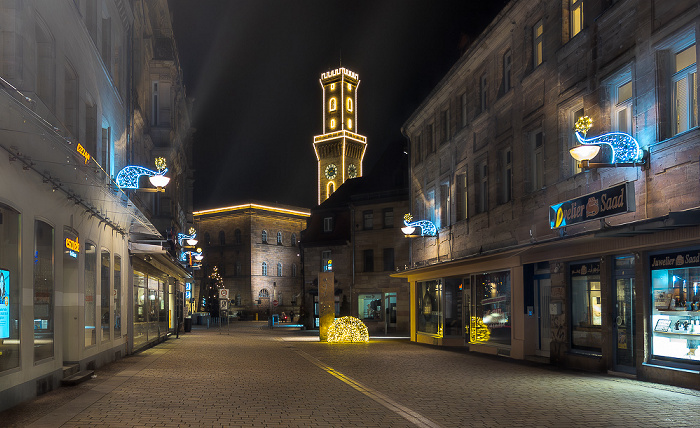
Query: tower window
x,y
330,189
349,87
349,123
332,104
332,86
348,104
332,123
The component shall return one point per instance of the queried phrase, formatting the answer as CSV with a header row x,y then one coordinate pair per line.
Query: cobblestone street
x,y
249,375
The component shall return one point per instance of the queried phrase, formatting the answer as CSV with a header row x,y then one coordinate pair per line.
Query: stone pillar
x,y
326,303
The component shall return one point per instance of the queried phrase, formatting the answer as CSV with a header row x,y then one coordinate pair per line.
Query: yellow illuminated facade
x,y
339,149
347,330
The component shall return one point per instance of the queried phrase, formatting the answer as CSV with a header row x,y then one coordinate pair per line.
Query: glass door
x,y
623,316
390,305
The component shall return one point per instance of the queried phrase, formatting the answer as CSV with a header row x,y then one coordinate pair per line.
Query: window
x,y
90,294
430,208
264,236
45,73
326,262
43,291
537,175
279,238
105,295
429,303
264,294
685,90
106,50
90,127
506,176
222,238
106,151
264,268
537,42
279,269
349,123
10,320
332,123
430,139
445,128
482,90
294,270
482,187
117,296
155,107
369,306
332,104
368,257
70,100
418,149
576,16
461,205
293,241
330,189
586,306
348,104
237,236
389,259
507,68
492,308
367,220
444,204
388,217
328,224
463,103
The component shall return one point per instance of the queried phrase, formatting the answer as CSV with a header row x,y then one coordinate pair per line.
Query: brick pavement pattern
x,y
256,377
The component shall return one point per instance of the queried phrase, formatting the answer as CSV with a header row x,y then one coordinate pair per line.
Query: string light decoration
x,y
347,330
218,280
478,331
427,227
625,148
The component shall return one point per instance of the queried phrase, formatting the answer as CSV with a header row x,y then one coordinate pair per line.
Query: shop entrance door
x,y
623,316
543,293
390,305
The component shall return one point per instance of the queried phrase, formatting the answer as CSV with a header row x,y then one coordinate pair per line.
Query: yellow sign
x,y
73,245
83,153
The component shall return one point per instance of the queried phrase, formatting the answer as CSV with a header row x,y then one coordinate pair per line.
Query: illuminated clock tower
x,y
339,150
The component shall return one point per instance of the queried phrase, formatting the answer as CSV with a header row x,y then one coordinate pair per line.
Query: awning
x,y
670,221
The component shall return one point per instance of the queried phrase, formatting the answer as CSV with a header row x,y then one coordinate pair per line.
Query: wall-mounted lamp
x,y
625,148
128,177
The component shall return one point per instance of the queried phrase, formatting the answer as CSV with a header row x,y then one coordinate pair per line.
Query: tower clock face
x,y
331,171
352,171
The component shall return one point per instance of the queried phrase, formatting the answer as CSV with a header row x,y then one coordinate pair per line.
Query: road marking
x,y
403,411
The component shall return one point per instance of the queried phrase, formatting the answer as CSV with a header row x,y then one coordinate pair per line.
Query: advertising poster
x,y
4,304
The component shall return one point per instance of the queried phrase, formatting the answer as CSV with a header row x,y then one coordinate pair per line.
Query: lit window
x,y
349,123
685,89
332,123
622,107
279,269
326,262
537,32
349,87
348,104
264,236
332,104
330,189
576,16
332,86
279,238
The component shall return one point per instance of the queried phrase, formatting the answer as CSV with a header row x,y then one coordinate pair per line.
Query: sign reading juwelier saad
x,y
605,203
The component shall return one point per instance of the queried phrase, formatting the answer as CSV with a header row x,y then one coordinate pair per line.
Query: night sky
x,y
253,69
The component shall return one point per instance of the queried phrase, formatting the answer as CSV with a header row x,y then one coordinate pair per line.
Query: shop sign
x,y
675,260
83,153
585,269
605,203
4,304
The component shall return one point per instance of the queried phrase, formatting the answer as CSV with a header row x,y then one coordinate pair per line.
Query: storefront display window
x,y
117,296
140,309
453,307
491,320
43,291
369,306
90,291
105,313
675,319
9,289
429,311
586,309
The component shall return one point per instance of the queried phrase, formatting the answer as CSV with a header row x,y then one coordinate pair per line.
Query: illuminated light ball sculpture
x,y
347,330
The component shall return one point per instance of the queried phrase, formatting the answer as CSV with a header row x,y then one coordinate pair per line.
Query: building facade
x,y
355,234
69,233
254,248
538,256
340,149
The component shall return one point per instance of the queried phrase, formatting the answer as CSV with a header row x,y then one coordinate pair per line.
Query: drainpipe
x,y
352,237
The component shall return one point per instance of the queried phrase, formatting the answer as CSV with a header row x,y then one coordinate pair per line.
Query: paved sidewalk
x,y
254,376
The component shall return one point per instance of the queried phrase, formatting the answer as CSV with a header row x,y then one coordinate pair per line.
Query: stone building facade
x,y
85,279
536,256
255,250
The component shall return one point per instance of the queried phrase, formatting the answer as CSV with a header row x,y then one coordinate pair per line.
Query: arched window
x,y
238,268
264,268
279,269
207,238
294,240
237,236
222,237
332,104
348,104
330,189
294,270
349,123
264,294
264,236
279,238
332,123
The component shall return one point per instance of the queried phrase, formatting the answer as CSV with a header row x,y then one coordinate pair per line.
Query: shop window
x,y
675,315
90,314
369,307
117,296
586,307
105,313
140,309
452,290
491,313
429,310
43,291
10,321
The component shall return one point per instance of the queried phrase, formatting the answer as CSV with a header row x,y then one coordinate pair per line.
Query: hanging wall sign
x,y
612,201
